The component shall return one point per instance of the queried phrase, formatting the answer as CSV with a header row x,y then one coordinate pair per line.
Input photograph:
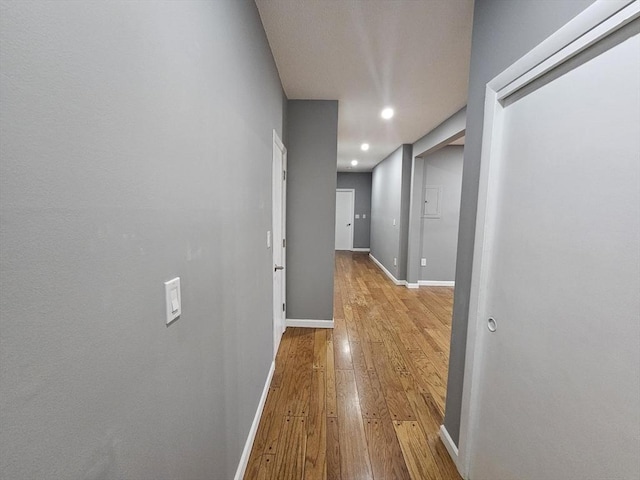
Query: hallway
x,y
366,399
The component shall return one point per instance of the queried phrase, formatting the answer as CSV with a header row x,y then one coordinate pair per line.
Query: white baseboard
x,y
366,250
421,283
436,283
387,272
451,447
304,323
244,459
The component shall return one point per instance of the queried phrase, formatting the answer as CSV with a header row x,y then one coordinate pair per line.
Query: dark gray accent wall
x,y
390,193
312,133
136,146
361,183
502,33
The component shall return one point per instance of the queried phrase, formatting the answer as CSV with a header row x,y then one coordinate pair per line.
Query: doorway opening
x,y
345,205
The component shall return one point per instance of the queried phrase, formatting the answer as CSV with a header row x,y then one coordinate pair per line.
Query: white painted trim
x,y
365,250
596,22
449,445
436,283
278,216
277,141
244,458
431,283
309,323
387,272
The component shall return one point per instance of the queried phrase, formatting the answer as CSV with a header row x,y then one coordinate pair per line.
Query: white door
x,y
344,218
279,202
555,392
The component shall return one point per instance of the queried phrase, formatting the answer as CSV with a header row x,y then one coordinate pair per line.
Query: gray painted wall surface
x,y
452,128
440,235
502,33
312,132
136,145
361,183
386,205
405,208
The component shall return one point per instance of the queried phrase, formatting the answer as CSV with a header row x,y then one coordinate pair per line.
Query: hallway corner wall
x,y
390,194
312,133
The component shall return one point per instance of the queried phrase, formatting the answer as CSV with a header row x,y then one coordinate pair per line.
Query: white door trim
x,y
351,212
278,244
598,21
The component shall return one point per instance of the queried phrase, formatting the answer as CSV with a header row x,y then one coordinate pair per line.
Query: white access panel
x,y
559,379
432,201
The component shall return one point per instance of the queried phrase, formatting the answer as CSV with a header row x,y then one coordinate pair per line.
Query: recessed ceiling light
x,y
364,147
387,113
354,162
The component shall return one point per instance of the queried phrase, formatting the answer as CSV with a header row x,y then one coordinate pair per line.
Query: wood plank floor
x,y
366,399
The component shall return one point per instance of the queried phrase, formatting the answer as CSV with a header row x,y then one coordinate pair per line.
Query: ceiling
x,y
412,55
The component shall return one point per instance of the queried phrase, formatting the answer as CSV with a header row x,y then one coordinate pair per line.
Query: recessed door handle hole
x,y
491,324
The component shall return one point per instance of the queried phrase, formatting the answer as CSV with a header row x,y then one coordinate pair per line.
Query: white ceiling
x,y
412,55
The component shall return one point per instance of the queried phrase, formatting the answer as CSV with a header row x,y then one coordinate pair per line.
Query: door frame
x,y
352,191
279,214
598,21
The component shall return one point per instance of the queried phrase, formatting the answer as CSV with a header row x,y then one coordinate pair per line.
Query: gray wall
x,y
502,33
389,201
440,235
136,145
312,132
361,183
449,130
405,208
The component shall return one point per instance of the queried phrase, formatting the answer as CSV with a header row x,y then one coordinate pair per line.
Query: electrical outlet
x,y
423,262
364,215
395,262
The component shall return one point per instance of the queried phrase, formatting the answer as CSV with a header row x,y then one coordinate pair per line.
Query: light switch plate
x,y
364,215
173,299
394,222
357,216
269,239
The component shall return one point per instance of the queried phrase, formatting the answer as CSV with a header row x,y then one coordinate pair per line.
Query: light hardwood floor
x,y
366,399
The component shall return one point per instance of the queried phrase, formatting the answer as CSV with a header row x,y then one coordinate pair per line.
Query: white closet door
x,y
559,379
